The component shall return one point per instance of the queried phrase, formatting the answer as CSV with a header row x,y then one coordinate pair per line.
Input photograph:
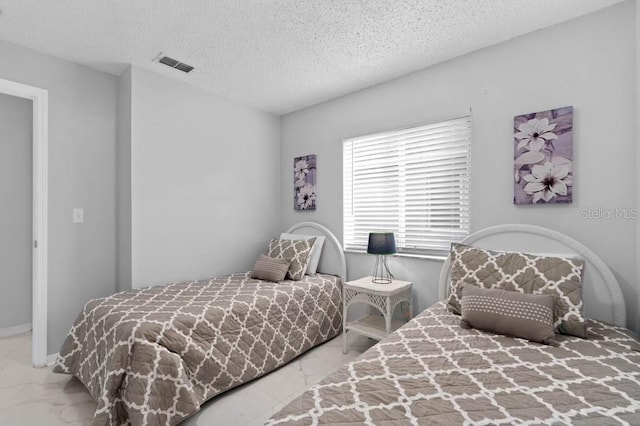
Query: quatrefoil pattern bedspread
x,y
153,356
432,372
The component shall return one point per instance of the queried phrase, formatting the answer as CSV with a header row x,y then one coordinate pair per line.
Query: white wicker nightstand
x,y
384,297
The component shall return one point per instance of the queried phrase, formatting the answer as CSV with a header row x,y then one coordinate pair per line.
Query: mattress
x,y
433,372
154,355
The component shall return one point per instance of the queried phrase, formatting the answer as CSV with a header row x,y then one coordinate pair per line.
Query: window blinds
x,y
412,182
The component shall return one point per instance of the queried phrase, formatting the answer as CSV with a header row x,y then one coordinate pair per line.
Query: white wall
x,y
584,63
16,146
205,182
82,143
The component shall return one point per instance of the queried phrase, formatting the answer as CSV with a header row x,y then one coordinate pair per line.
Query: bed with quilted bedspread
x,y
433,372
154,355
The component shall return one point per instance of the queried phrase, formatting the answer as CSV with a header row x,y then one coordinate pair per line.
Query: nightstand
x,y
384,297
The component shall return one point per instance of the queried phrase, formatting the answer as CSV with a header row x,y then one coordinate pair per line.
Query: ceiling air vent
x,y
170,62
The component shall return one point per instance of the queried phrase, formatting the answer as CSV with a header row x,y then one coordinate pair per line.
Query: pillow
x,y
529,316
298,251
524,273
271,269
316,250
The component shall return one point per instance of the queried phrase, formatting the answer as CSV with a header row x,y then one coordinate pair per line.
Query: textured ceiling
x,y
277,55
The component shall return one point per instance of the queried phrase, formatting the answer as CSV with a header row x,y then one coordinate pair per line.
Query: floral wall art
x,y
543,157
304,182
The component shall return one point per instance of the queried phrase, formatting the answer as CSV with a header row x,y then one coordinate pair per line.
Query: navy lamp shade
x,y
381,244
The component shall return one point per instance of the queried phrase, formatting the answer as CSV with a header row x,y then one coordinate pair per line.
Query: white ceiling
x,y
277,55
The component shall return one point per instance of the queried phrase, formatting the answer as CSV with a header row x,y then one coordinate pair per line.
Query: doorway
x,y
39,98
15,214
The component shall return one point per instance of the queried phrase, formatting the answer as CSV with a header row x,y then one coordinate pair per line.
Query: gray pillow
x,y
270,269
529,316
298,251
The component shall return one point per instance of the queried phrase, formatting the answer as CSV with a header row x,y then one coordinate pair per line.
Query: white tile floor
x,y
30,396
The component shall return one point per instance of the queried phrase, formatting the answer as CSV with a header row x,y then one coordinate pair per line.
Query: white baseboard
x,y
16,329
51,359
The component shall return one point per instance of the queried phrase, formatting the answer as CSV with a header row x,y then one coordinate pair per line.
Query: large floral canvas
x,y
543,157
304,182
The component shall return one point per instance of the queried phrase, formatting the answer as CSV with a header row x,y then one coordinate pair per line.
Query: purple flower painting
x,y
304,183
543,157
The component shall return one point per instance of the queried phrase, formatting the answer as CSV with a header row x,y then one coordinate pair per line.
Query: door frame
x,y
40,99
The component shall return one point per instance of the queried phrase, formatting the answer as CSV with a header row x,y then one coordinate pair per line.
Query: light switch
x,y
78,215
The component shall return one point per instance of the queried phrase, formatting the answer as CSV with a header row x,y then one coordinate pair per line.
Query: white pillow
x,y
316,250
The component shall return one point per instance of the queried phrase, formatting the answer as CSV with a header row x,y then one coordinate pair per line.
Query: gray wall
x,y
205,182
637,176
123,181
16,147
82,147
584,63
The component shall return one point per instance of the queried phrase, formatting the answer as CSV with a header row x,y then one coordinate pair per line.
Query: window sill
x,y
407,255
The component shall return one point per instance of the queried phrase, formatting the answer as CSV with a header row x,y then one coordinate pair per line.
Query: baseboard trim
x,y
16,329
51,359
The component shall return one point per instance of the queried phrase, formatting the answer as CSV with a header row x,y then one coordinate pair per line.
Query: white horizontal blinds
x,y
413,182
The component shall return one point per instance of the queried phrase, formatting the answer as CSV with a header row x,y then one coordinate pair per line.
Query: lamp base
x,y
381,273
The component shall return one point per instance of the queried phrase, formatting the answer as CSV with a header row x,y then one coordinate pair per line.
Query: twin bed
x,y
153,356
433,372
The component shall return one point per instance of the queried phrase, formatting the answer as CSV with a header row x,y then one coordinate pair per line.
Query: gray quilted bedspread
x,y
432,372
153,356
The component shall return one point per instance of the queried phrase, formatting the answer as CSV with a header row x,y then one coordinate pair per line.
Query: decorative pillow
x,y
529,316
271,269
316,250
298,251
524,273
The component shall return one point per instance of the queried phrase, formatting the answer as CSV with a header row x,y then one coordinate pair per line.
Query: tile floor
x,y
30,396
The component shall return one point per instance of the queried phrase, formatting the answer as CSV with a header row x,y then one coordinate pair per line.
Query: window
x,y
413,182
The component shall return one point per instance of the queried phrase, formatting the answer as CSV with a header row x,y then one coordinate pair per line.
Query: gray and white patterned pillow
x,y
525,273
296,250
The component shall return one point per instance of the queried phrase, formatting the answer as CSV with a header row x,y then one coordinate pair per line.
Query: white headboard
x,y
601,294
327,261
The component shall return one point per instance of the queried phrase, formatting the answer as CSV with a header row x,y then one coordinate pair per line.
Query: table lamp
x,y
381,244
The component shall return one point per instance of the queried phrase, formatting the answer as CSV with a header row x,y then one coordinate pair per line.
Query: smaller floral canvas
x,y
543,157
304,182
